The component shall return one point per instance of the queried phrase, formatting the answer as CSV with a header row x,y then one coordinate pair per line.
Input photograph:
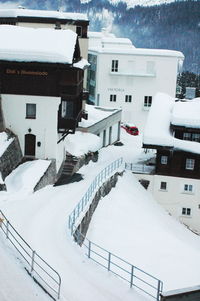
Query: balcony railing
x,y
140,168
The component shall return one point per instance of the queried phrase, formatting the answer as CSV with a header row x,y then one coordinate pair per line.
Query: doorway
x,y
29,149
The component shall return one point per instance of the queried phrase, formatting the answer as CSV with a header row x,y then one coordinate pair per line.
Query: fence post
x,y
7,228
132,275
109,260
89,248
32,262
158,290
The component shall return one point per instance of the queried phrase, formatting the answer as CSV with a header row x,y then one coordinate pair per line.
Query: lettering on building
x,y
26,72
115,90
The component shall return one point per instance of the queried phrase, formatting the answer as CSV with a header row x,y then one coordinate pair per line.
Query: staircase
x,y
69,165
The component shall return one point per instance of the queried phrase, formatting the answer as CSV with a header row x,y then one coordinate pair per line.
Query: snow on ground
x,y
87,143
23,179
139,224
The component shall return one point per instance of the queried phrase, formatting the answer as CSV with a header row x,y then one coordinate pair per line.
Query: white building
x,y
123,76
41,88
173,130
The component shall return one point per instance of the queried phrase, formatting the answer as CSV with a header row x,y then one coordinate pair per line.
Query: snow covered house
x,y
123,76
49,19
41,88
173,130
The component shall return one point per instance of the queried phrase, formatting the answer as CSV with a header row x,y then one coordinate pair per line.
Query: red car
x,y
131,129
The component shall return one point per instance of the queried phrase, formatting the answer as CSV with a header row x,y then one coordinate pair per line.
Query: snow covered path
x,y
42,218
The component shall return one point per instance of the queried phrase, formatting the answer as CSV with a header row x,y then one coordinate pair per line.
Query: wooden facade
x,y
174,162
47,79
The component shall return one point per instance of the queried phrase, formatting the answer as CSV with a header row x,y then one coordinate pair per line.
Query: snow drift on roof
x,y
14,13
157,130
187,113
36,45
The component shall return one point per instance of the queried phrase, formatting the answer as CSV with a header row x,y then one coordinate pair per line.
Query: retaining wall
x,y
101,192
10,158
49,176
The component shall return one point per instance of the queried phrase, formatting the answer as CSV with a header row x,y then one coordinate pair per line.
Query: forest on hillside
x,y
173,26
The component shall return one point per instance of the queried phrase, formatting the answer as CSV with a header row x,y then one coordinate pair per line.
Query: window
x,y
114,67
79,31
196,137
186,136
113,97
128,98
186,211
147,101
163,160
31,110
188,188
67,109
189,164
163,185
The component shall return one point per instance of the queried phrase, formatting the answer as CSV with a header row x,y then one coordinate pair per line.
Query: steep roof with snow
x,y
20,12
165,111
37,45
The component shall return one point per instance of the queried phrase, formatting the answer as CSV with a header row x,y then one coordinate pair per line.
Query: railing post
x,y
158,290
89,249
109,260
32,262
132,275
7,228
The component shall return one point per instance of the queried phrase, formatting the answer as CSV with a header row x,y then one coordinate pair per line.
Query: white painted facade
x,y
140,73
44,126
176,197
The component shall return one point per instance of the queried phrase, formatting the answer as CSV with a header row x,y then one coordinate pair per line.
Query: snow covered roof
x,y
105,42
14,13
96,114
37,45
186,114
165,110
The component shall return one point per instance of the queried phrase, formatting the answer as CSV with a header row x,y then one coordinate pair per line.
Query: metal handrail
x,y
154,290
41,272
97,182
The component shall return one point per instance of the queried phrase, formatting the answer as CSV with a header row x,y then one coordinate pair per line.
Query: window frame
x,y
186,211
188,188
128,98
28,115
164,160
115,66
148,101
189,164
163,185
113,97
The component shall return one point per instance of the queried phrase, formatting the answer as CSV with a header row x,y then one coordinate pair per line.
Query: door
x,y
29,149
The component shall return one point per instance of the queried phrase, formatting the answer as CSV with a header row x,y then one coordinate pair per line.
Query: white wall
x,y
44,127
134,78
174,198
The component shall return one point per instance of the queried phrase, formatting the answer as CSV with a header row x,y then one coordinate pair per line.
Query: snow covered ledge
x,y
187,294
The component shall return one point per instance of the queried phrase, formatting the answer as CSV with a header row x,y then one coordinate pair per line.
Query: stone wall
x,y
49,176
10,158
102,192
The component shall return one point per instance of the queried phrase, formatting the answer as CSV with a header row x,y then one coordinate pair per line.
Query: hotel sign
x,y
115,90
26,72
